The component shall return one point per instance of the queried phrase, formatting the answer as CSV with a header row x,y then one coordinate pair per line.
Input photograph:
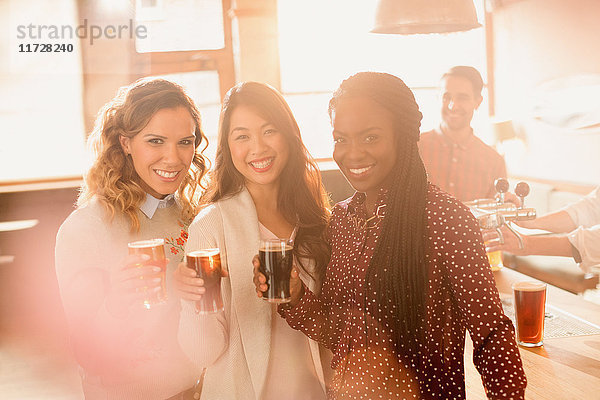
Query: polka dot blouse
x,y
461,296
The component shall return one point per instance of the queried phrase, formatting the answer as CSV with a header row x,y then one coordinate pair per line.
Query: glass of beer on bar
x,y
276,256
530,300
495,260
155,249
207,264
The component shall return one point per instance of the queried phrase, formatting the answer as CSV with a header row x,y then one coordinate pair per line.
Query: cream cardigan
x,y
239,374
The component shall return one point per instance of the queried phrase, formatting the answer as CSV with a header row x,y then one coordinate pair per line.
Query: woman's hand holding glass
x,y
187,285
260,281
131,283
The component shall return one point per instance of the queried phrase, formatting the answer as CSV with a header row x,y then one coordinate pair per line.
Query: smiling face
x,y
365,144
459,102
258,150
162,152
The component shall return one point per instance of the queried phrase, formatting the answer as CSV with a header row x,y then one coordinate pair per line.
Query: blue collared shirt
x,y
152,203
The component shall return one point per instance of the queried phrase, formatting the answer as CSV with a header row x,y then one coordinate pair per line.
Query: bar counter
x,y
564,367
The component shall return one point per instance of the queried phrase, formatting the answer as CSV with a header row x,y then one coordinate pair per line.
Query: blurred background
x,y
541,110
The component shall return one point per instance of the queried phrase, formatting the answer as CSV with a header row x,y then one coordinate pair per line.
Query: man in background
x,y
456,160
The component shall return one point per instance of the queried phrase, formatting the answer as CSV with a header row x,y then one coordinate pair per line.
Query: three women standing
x,y
406,278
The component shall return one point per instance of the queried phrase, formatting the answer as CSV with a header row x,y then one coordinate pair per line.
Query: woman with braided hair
x,y
408,273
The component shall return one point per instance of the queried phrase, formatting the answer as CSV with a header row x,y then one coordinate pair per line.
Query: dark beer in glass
x,y
530,300
276,256
155,249
207,264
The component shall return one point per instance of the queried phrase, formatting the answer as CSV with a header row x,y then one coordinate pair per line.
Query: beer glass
x,y
207,264
276,256
530,299
155,249
495,260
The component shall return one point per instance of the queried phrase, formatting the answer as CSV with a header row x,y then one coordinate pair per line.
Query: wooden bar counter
x,y
564,367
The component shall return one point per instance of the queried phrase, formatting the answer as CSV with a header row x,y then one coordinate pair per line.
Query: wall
x,y
256,43
539,40
536,41
30,305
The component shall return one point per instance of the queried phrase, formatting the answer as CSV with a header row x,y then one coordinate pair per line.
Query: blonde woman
x,y
143,184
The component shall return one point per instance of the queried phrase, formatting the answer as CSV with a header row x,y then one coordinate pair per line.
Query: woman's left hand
x,y
296,288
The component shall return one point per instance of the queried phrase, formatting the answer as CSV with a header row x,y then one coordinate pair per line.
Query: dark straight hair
x,y
302,197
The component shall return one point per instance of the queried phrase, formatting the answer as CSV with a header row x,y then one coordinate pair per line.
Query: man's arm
x,y
533,244
558,222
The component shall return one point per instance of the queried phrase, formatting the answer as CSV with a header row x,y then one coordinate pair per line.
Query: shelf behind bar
x,y
26,185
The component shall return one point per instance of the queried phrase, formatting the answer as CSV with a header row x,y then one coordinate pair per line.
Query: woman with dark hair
x,y
264,185
408,273
142,185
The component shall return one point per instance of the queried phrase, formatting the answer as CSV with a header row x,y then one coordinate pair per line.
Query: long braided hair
x,y
396,278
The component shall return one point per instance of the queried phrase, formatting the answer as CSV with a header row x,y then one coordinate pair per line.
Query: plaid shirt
x,y
466,170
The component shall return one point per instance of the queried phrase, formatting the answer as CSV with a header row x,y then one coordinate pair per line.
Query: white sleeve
x,y
586,212
587,242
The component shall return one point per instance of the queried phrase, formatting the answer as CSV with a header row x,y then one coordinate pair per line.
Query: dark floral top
x,y
461,296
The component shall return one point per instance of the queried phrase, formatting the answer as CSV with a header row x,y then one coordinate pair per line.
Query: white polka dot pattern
x,y
461,295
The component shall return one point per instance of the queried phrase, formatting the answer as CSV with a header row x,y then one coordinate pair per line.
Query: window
x,y
188,44
186,38
180,25
203,88
324,42
41,115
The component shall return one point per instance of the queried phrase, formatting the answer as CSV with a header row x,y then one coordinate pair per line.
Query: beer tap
x,y
495,213
496,204
520,213
502,187
522,190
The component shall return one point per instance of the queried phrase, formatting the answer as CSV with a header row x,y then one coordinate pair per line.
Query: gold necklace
x,y
361,224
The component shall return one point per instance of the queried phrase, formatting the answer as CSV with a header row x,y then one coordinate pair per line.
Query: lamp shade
x,y
425,16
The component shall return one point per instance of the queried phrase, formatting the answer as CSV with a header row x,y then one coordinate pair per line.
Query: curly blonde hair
x,y
112,178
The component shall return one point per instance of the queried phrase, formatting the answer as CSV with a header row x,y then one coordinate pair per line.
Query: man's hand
x,y
511,242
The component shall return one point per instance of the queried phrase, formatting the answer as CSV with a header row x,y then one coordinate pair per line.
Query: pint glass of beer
x,y
530,300
495,260
155,248
276,257
207,264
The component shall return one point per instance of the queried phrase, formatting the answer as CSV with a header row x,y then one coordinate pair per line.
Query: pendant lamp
x,y
408,17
